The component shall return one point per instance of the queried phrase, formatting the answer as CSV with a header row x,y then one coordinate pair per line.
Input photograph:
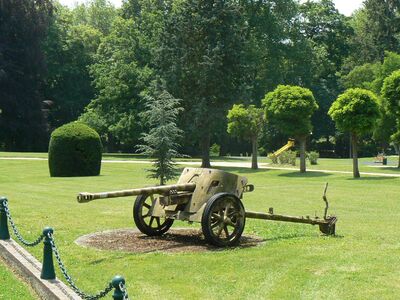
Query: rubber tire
x,y
207,231
140,223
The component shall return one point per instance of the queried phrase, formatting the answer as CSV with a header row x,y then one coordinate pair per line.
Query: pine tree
x,y
161,142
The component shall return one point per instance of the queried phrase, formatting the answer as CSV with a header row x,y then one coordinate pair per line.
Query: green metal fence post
x,y
4,233
116,283
47,266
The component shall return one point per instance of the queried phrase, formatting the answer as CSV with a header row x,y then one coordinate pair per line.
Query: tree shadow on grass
x,y
124,156
241,170
305,175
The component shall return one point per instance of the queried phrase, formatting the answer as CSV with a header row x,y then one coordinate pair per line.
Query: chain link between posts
x,y
67,277
71,282
16,231
124,291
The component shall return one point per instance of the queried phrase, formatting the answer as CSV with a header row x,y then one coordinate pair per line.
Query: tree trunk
x,y
205,151
351,146
254,142
302,141
356,172
398,164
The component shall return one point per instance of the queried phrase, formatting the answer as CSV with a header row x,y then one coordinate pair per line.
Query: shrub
x,y
273,158
313,157
74,150
288,158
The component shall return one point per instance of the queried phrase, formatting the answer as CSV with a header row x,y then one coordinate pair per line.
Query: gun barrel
x,y
162,189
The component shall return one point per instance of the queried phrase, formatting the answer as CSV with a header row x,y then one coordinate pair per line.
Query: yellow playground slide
x,y
289,145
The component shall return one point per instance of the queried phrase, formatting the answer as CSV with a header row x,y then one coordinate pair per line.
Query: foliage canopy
x,y
291,108
356,111
391,93
245,122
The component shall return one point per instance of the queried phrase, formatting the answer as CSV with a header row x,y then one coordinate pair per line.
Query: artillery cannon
x,y
209,196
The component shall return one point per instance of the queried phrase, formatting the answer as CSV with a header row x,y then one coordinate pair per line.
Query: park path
x,y
220,164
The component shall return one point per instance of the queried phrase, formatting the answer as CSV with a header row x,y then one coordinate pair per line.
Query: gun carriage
x,y
209,196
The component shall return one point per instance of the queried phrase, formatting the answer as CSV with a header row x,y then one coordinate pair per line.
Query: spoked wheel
x,y
144,221
223,220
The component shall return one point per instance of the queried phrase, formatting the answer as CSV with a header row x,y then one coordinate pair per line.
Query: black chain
x,y
16,232
70,281
124,291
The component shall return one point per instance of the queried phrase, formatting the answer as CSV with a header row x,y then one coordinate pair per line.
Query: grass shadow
x,y
307,174
296,235
367,177
124,156
395,169
290,236
241,170
97,261
228,158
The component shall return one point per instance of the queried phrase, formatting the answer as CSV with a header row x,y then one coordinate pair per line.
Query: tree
x,y
390,63
376,28
328,32
70,50
355,111
200,58
119,77
361,76
370,76
391,97
384,128
150,18
246,122
383,17
98,14
23,26
291,108
275,47
161,142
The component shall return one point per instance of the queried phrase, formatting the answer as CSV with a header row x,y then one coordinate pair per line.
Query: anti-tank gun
x,y
209,196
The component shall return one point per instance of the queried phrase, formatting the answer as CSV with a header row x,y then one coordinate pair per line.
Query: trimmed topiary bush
x,y
74,150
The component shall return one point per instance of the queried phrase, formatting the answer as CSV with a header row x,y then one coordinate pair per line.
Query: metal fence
x,y
48,272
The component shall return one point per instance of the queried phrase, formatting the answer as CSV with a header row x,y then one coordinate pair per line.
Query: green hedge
x,y
75,150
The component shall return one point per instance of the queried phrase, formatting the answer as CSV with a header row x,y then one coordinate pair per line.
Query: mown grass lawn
x,y
11,287
295,262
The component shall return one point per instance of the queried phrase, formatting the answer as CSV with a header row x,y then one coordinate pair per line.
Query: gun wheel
x,y
223,220
145,222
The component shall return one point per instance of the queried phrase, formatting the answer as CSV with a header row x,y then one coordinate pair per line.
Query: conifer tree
x,y
161,142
